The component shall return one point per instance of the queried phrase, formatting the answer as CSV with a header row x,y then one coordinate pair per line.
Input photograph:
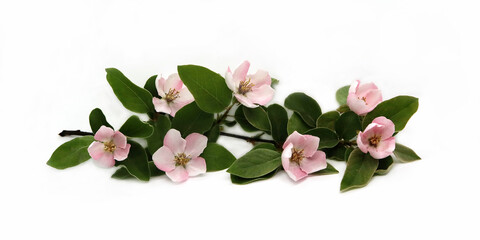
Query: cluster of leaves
x,y
209,114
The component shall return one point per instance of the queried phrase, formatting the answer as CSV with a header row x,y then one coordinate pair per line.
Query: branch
x,y
246,138
65,133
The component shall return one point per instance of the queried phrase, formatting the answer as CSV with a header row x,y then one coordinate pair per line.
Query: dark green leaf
x,y
398,109
191,118
336,153
305,106
150,85
98,119
208,88
329,170
257,117
133,97
134,127
342,94
328,138
122,172
217,157
265,146
278,121
328,120
213,133
296,123
343,108
405,154
360,169
242,120
242,181
71,153
347,125
160,128
256,163
274,82
230,123
136,162
384,165
348,151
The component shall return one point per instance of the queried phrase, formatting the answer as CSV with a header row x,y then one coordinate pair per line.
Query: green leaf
x,y
305,106
328,138
242,181
150,86
347,125
208,88
405,154
242,120
134,127
213,133
327,171
98,119
71,153
265,146
336,153
296,123
258,118
360,169
348,151
398,109
217,157
230,123
328,119
384,165
256,163
274,82
136,162
342,94
191,118
133,97
122,172
160,128
278,121
343,109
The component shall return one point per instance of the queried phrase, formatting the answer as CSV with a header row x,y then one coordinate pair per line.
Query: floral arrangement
x,y
188,112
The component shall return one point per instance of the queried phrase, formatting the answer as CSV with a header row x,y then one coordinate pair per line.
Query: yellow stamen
x,y
245,86
375,140
109,146
182,159
297,155
172,95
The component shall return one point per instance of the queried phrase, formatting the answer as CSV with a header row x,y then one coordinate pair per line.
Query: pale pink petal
x,y
230,81
364,88
121,154
161,105
196,166
160,84
196,143
373,98
96,150
384,149
173,82
106,160
184,95
295,173
173,140
286,155
104,134
316,162
179,174
175,106
164,159
119,139
245,101
295,139
185,98
353,88
241,72
362,142
310,145
260,78
357,105
388,126
261,95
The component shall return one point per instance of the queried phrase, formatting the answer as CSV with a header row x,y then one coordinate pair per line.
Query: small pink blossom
x,y
110,145
300,156
377,139
363,97
250,90
179,158
174,95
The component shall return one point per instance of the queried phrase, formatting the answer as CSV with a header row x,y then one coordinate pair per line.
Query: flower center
x,y
363,99
172,95
375,140
297,155
181,159
109,146
245,86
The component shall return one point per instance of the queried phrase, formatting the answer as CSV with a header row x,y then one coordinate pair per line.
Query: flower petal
x,y
160,84
362,142
364,88
316,162
245,101
373,98
295,139
163,159
196,166
106,160
121,154
241,72
173,140
161,105
104,134
357,105
388,126
308,143
295,173
195,145
179,174
353,88
260,78
230,81
119,139
173,82
261,95
96,150
286,155
384,148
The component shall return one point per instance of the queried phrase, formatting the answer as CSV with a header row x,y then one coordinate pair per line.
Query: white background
x,y
52,60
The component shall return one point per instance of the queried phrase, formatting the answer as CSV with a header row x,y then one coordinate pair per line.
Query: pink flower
x,y
250,90
377,138
174,95
179,158
300,156
110,145
363,98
